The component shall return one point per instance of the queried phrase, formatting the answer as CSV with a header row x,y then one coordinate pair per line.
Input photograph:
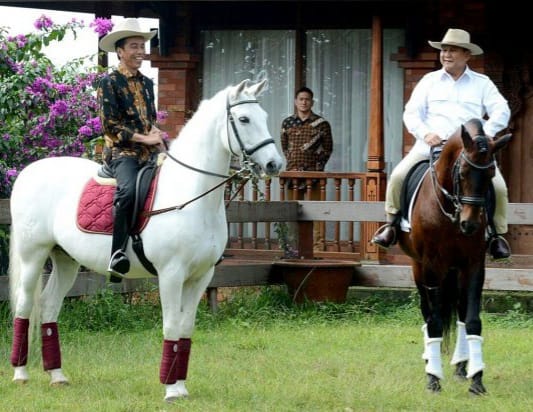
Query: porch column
x,y
375,181
177,89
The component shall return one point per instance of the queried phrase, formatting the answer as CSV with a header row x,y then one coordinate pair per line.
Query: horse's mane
x,y
206,106
213,106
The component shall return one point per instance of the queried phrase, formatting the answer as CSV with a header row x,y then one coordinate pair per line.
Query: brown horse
x,y
447,244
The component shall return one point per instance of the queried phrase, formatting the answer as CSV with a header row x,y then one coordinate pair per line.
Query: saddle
x,y
410,189
95,207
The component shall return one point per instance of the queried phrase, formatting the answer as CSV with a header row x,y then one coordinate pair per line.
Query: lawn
x,y
262,353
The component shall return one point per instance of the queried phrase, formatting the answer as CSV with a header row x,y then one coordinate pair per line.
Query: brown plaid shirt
x,y
307,144
127,106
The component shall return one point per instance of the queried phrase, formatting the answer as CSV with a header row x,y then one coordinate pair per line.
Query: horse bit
x,y
457,199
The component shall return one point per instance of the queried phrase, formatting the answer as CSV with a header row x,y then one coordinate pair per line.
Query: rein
x,y
456,198
179,207
246,170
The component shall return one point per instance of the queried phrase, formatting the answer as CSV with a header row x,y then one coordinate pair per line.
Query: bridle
x,y
457,199
244,173
246,152
247,163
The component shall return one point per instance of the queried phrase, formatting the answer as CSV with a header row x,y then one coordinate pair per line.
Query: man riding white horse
x,y
128,115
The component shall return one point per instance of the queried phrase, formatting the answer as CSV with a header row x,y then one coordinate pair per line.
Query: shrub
x,y
44,110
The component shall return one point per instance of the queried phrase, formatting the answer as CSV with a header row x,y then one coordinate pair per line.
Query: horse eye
x,y
244,119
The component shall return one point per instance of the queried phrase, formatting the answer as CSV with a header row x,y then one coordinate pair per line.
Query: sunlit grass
x,y
261,353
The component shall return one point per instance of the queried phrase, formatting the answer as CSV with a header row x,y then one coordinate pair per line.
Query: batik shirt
x,y
307,144
127,106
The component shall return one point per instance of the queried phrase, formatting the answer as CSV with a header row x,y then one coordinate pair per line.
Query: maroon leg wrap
x,y
19,352
50,346
175,360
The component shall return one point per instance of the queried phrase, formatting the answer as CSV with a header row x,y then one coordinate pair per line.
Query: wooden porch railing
x,y
342,239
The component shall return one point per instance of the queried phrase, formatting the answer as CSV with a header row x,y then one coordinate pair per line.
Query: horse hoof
x,y
433,384
21,375
57,378
460,371
476,389
175,392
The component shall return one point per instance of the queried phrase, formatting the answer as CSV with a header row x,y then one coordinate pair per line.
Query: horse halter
x,y
456,198
246,152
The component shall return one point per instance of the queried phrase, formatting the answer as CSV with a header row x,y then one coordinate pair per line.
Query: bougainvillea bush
x,y
44,110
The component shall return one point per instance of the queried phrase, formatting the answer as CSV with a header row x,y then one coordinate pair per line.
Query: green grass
x,y
261,353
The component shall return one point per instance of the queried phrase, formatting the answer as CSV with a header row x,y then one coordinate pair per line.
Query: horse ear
x,y
258,88
467,139
502,141
238,89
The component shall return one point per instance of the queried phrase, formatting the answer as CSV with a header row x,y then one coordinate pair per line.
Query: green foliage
x,y
261,352
4,249
110,311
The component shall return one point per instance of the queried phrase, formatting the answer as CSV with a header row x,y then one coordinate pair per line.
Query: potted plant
x,y
318,280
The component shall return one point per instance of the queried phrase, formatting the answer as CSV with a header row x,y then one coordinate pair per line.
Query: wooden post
x,y
375,183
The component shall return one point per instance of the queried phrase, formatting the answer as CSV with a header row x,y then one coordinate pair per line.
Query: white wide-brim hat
x,y
459,38
126,28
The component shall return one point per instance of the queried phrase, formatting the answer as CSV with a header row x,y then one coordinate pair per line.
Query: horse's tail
x,y
14,283
449,306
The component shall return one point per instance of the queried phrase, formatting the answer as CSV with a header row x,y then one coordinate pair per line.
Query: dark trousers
x,y
125,170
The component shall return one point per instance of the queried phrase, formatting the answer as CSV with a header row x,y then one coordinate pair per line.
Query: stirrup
x,y
495,238
380,230
119,265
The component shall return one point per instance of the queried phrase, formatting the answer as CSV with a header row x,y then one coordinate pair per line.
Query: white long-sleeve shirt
x,y
439,104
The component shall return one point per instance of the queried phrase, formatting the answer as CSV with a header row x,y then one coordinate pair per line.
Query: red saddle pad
x,y
95,208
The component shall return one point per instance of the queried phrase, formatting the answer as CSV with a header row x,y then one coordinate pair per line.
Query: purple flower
x,y
85,131
162,115
95,124
43,22
58,108
11,173
101,26
21,40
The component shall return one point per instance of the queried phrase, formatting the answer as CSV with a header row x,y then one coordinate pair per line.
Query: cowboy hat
x,y
126,28
459,38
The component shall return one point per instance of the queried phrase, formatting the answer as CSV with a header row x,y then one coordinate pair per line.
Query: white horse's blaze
x,y
183,245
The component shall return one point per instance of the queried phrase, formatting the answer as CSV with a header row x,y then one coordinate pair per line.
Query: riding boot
x,y
499,248
386,235
119,263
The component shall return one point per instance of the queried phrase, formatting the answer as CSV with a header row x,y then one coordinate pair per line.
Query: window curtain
x,y
232,56
338,72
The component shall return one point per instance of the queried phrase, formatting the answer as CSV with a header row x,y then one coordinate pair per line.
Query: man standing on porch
x,y
307,144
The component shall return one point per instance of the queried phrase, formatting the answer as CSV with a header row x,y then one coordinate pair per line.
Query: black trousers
x,y
125,170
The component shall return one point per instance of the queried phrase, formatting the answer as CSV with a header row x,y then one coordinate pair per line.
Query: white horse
x,y
183,245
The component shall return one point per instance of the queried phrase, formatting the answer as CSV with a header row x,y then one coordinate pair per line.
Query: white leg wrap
x,y
57,377
21,374
475,360
460,353
434,361
175,391
425,354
